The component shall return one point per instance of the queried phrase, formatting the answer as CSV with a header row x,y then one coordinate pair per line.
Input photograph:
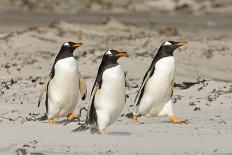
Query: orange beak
x,y
121,54
182,43
77,44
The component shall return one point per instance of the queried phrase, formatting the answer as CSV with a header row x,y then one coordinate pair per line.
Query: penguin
x,y
108,94
155,93
63,84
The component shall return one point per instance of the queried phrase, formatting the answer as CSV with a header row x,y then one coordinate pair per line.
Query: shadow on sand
x,y
119,133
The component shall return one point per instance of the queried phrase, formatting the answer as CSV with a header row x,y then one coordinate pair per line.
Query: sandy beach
x,y
30,40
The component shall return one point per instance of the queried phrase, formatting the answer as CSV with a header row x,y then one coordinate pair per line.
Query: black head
x,y
67,50
109,60
169,47
113,55
70,46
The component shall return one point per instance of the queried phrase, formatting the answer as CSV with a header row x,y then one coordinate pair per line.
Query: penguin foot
x,y
52,121
102,131
176,120
94,130
72,116
135,119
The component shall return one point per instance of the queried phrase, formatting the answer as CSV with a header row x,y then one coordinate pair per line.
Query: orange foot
x,y
52,121
72,116
135,119
176,120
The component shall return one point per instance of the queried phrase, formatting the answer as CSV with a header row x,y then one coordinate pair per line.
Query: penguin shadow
x,y
62,122
169,122
66,121
166,122
117,133
44,119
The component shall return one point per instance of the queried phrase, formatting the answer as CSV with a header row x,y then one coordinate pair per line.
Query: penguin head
x,y
170,46
114,55
70,46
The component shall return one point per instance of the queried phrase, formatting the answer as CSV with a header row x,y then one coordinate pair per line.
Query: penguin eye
x,y
66,44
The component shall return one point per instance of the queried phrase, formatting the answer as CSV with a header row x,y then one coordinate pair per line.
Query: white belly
x,y
63,88
158,88
110,99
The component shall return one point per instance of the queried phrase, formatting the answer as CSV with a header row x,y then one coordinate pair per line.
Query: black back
x,y
66,51
164,51
108,61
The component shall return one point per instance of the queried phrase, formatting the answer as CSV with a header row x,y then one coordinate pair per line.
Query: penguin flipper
x,y
83,88
92,115
145,78
44,87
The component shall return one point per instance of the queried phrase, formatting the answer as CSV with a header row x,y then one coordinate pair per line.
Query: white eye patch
x,y
167,43
109,52
66,44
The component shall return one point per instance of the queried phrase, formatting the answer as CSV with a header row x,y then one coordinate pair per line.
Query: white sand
x,y
27,57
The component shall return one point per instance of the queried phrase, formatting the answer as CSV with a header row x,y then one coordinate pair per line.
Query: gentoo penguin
x,y
108,93
154,95
63,84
